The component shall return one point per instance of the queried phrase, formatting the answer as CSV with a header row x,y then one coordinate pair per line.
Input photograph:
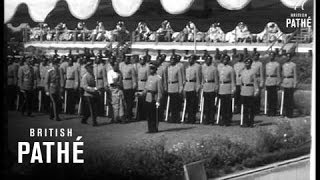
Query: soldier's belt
x,y
287,77
70,78
193,80
173,82
247,84
143,80
152,92
127,78
99,78
225,82
209,81
271,75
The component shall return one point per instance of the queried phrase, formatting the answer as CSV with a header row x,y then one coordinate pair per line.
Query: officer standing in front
x,y
71,86
249,89
100,75
258,68
272,83
54,88
289,83
226,90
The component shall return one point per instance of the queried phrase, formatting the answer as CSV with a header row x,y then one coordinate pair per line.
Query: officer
x,y
226,90
143,73
289,83
152,92
129,86
210,89
100,75
71,86
191,89
175,87
258,68
45,100
26,83
91,95
54,87
272,83
238,67
12,82
249,89
162,71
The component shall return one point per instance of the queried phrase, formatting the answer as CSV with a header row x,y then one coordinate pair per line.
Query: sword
x,y
202,108
282,101
265,101
218,115
157,115
79,108
137,104
65,101
201,99
241,121
167,109
216,100
18,100
40,99
184,109
105,104
233,104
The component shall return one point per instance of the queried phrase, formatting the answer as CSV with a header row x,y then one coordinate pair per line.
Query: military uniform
x,y
53,84
129,85
289,82
26,83
238,67
272,83
71,86
191,89
45,100
249,88
258,68
162,71
153,92
226,89
209,87
100,74
143,73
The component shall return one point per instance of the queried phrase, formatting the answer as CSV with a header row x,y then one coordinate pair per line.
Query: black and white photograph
x,y
159,89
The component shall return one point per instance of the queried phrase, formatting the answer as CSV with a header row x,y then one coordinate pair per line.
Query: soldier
x,y
12,82
162,71
71,86
272,83
54,87
175,87
129,86
143,73
258,68
249,89
55,55
45,100
238,67
100,75
91,95
36,70
26,83
210,88
226,90
148,56
289,83
152,92
191,89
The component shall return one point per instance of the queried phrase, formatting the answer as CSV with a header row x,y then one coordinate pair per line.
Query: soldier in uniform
x,y
26,83
175,87
12,82
54,87
258,68
143,73
272,83
238,67
152,92
289,83
71,86
191,89
226,90
249,89
100,75
45,100
91,95
129,86
210,88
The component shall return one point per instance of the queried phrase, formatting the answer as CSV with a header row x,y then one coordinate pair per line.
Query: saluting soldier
x,y
12,82
152,92
175,88
162,71
272,83
71,86
210,89
26,83
129,86
226,90
249,89
54,87
91,95
238,67
143,73
191,89
289,83
258,68
100,74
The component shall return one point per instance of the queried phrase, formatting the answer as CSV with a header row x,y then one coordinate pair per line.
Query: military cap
x,y
226,57
178,57
55,61
193,57
163,56
153,65
248,60
257,54
289,54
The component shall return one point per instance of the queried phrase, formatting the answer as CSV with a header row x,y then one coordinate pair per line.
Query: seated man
x,y
215,33
239,34
142,32
121,33
165,31
81,33
271,33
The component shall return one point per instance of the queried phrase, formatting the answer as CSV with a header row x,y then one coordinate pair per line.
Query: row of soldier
x,y
175,90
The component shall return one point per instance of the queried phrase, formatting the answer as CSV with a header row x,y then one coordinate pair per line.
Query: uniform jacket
x,y
72,78
226,79
192,78
43,72
129,76
238,67
54,81
182,69
37,80
153,88
289,75
26,77
258,68
175,82
143,73
249,84
82,72
162,71
100,74
272,73
88,84
209,78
